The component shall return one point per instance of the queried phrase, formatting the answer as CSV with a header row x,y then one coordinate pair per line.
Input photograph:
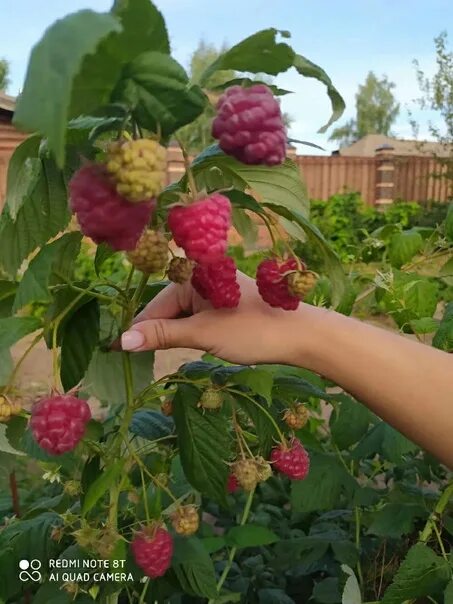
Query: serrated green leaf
x,y
143,28
326,483
100,486
290,388
395,519
310,70
245,226
259,53
7,294
272,595
424,325
56,258
24,168
151,425
421,573
384,440
13,329
250,535
44,103
264,427
105,376
258,380
298,550
345,551
51,593
192,563
80,338
403,247
449,223
42,215
349,422
204,444
157,89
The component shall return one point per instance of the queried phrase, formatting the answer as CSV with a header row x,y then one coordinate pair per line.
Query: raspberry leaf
x,y
403,247
54,63
310,70
151,425
349,422
421,574
250,535
24,168
157,89
259,53
13,329
42,214
80,338
194,567
204,444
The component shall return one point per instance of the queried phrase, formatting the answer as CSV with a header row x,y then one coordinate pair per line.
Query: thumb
x,y
160,334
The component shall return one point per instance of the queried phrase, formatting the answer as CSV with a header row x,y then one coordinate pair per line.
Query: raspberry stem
x,y
263,410
190,177
229,564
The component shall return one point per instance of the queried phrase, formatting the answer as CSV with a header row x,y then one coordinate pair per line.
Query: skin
x,y
408,384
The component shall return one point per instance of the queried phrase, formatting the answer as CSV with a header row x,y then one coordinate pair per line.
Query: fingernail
x,y
131,340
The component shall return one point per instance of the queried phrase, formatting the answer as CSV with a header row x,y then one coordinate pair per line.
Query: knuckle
x,y
160,334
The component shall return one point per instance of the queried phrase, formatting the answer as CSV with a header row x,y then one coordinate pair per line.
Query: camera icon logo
x,y
30,570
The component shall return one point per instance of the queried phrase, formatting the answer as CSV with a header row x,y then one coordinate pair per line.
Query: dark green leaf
x,y
324,486
103,253
311,70
395,519
345,551
193,565
42,215
7,294
327,591
421,573
448,594
264,427
259,53
258,380
51,593
424,325
245,226
43,105
271,595
250,535
151,424
6,366
54,258
386,441
300,550
213,544
403,247
143,28
204,444
105,375
349,422
81,336
101,485
290,388
24,167
157,88
5,445
13,329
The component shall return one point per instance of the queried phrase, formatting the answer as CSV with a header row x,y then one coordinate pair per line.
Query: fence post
x,y
385,175
175,163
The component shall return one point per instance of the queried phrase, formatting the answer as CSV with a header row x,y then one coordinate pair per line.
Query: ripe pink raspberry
x,y
201,228
232,483
292,461
272,284
153,549
217,283
58,422
249,125
102,213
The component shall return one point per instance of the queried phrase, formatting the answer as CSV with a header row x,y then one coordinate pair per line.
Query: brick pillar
x,y
175,164
291,152
385,176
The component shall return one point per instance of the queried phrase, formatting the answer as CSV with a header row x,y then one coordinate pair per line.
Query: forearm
x,y
408,384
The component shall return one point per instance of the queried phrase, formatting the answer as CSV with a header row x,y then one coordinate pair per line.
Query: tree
x,y
376,111
4,71
437,96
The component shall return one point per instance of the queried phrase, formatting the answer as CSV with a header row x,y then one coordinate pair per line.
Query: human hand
x,y
251,333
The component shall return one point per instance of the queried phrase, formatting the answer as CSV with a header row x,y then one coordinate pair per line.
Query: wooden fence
x,y
379,179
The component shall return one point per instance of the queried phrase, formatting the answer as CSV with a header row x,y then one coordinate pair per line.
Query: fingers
x,y
168,304
160,334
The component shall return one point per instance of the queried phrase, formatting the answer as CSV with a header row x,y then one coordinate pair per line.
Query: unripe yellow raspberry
x,y
263,469
151,252
8,409
246,473
185,520
138,168
300,283
297,418
211,399
180,270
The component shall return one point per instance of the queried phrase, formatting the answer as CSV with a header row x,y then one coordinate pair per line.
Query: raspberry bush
x,y
216,483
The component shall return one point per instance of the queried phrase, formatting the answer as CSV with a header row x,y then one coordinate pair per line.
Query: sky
x,y
347,38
